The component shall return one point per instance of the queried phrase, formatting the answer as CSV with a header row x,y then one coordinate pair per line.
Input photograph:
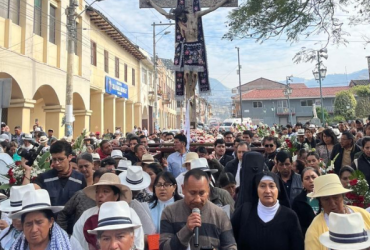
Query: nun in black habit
x,y
263,219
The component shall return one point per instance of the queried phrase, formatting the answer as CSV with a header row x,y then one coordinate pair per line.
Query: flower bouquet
x,y
360,195
16,172
263,130
329,168
288,145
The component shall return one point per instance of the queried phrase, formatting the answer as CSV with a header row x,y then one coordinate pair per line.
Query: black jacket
x,y
364,166
131,157
232,166
337,149
269,160
303,210
225,159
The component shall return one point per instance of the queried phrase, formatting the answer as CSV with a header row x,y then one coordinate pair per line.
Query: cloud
x,y
272,59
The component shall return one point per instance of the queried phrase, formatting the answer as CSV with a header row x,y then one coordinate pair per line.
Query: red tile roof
x,y
297,93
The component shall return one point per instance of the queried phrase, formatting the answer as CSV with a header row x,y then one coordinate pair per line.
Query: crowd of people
x,y
272,188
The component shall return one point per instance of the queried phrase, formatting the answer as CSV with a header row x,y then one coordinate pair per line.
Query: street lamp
x,y
287,93
320,73
155,69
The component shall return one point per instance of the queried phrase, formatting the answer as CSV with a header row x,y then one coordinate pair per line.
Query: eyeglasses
x,y
165,185
58,159
269,145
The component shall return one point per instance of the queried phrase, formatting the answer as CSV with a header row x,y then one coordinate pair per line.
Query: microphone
x,y
196,229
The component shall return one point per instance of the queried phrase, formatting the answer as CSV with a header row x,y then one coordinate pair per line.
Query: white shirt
x,y
180,181
237,177
78,233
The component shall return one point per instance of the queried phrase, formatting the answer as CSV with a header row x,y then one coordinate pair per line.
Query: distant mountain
x,y
334,79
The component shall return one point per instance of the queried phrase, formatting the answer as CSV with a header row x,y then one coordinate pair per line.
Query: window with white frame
x,y
306,103
257,104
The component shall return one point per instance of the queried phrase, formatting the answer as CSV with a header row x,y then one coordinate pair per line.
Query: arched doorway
x,y
82,116
47,110
145,118
16,114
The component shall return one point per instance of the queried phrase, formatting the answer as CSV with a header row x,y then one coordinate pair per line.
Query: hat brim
x,y
113,227
117,157
18,215
5,207
329,192
126,194
144,184
325,240
148,162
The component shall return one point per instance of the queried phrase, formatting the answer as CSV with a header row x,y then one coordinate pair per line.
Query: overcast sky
x,y
272,59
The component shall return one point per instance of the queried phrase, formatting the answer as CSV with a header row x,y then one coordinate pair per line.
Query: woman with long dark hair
x,y
326,147
164,194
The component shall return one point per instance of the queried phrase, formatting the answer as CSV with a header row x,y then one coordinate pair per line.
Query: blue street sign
x,y
114,87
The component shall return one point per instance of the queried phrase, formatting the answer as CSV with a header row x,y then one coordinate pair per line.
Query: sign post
x,y
5,94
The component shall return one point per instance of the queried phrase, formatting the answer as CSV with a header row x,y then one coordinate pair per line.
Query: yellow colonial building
x,y
33,54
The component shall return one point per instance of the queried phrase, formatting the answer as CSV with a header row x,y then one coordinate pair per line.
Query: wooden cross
x,y
173,3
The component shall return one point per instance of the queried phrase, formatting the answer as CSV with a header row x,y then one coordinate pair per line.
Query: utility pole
x,y
155,72
322,107
72,36
240,88
71,28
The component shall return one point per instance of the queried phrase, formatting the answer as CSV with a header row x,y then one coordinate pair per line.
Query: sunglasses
x,y
269,145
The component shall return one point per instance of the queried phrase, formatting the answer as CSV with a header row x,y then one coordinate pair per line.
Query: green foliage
x,y
79,143
361,90
363,102
291,19
338,118
344,104
319,114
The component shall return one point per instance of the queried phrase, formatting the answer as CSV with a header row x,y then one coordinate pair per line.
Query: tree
x,y
319,114
363,100
292,19
344,104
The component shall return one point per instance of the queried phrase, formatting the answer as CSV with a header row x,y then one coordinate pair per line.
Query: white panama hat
x,y
114,216
346,232
116,154
123,165
14,203
202,164
36,200
135,178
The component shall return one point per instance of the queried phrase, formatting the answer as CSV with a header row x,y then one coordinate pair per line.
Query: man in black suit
x,y
220,150
234,166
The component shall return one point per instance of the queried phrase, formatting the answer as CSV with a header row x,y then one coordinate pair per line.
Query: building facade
x,y
269,105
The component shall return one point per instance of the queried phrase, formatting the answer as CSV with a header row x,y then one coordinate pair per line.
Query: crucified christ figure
x,y
191,50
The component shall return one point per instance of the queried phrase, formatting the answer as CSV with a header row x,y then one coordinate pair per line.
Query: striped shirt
x,y
215,231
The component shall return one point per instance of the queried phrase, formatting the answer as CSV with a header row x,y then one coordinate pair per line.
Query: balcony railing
x,y
284,111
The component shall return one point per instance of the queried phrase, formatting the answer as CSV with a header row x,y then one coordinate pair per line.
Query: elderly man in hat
x,y
107,189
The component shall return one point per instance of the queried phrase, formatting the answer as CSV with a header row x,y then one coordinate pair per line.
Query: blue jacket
x,y
61,189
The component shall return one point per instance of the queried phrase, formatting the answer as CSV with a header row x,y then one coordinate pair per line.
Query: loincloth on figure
x,y
190,57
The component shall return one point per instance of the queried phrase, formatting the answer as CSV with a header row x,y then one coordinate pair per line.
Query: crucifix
x,y
190,60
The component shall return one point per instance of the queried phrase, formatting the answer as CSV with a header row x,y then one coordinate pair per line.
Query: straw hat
x,y
6,162
43,139
123,165
320,130
346,232
337,133
135,178
202,164
14,203
147,159
327,185
189,157
36,200
114,216
109,179
116,154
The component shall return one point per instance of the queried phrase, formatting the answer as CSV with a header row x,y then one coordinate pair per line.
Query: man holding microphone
x,y
194,222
